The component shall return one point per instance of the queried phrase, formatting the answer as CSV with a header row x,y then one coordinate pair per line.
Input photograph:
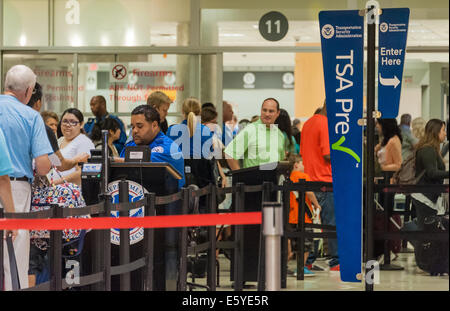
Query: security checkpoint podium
x,y
275,173
142,177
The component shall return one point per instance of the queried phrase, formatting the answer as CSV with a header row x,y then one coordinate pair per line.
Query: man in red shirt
x,y
315,150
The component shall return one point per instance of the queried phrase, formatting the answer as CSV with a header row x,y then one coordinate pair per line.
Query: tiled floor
x,y
409,279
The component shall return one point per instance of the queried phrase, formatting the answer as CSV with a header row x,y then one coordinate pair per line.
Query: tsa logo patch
x,y
135,193
327,31
158,149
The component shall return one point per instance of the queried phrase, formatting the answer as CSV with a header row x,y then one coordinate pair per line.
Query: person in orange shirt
x,y
315,151
312,205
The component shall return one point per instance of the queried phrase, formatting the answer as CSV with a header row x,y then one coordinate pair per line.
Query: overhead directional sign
x,y
342,42
392,36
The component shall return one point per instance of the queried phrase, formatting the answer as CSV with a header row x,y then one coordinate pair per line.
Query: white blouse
x,y
78,145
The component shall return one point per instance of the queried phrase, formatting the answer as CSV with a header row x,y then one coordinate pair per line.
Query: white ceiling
x,y
422,33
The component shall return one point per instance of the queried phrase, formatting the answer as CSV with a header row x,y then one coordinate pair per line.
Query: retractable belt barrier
x,y
53,219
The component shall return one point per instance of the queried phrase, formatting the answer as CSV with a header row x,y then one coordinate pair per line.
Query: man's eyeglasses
x,y
69,122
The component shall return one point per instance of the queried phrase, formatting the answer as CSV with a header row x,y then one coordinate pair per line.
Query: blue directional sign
x,y
392,34
342,42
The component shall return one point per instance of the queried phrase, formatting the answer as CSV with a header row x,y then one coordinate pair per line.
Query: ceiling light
x,y
129,37
231,35
76,40
23,40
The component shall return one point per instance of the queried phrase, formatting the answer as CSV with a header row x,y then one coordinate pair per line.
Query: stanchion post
x,y
107,244
370,143
125,280
273,230
239,237
149,243
182,275
301,239
267,190
284,239
106,234
387,201
105,160
211,277
56,252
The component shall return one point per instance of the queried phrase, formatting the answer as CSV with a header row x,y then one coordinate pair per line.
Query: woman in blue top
x,y
194,139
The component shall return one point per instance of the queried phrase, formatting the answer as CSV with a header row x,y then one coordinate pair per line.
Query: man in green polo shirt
x,y
259,142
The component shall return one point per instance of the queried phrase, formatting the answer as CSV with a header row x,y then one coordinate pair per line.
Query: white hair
x,y
19,78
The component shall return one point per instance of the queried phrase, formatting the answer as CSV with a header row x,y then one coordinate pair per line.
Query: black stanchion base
x,y
246,286
391,267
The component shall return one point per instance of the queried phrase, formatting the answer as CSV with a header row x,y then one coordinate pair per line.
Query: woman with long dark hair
x,y
73,142
284,125
389,155
113,128
389,150
429,162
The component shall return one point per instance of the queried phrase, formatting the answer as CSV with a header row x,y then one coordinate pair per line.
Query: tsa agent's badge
x,y
158,149
135,193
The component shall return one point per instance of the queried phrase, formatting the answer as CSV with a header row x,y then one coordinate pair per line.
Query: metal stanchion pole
x,y
183,251
370,144
125,279
56,252
211,280
105,236
107,245
149,243
273,230
238,259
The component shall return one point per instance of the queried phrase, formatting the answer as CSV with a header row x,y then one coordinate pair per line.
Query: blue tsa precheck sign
x,y
342,43
135,193
392,35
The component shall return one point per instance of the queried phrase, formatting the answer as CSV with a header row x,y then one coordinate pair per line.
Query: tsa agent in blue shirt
x,y
98,108
146,132
194,138
197,146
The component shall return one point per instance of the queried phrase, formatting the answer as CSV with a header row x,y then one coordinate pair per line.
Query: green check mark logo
x,y
337,146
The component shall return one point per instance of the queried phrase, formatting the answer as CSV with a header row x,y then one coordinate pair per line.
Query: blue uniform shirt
x,y
5,161
163,151
120,143
24,133
200,144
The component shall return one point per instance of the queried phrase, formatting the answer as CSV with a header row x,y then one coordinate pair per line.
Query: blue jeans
x,y
326,201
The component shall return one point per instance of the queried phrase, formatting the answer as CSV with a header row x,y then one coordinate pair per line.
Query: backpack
x,y
406,175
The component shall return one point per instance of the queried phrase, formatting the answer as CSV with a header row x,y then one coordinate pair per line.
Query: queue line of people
x,y
269,137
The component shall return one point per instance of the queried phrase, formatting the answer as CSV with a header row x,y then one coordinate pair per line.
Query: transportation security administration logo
x,y
384,27
327,31
135,193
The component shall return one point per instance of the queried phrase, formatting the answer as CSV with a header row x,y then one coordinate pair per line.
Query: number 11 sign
x,y
273,26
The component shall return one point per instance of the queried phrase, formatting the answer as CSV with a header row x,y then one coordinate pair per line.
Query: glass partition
x,y
118,23
54,72
25,23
